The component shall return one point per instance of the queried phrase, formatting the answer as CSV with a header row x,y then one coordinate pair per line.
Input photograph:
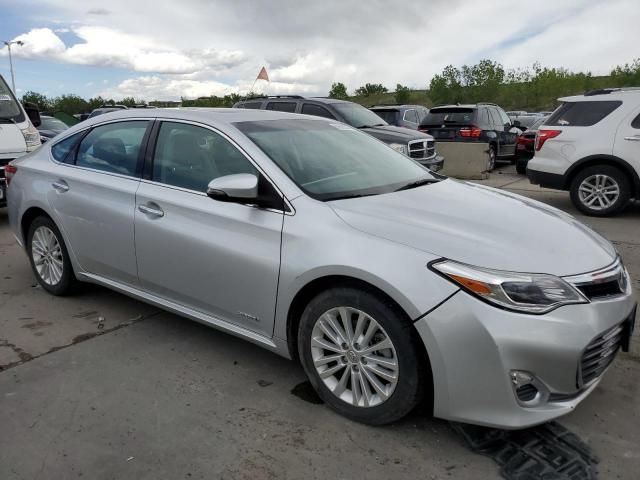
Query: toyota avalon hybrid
x,y
392,285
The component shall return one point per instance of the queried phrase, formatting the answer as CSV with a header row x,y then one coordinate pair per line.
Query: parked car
x,y
591,146
390,283
482,122
526,142
516,113
50,127
106,109
408,116
418,146
18,134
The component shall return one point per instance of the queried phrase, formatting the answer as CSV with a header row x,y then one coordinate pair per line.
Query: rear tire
x,y
49,257
600,190
393,372
491,161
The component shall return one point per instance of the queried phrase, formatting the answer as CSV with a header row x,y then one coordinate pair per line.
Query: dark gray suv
x,y
417,145
407,116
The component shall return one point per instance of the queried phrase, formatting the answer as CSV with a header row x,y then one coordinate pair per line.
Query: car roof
x,y
395,107
469,105
324,100
604,94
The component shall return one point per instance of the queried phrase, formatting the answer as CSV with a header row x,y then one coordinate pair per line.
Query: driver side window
x,y
189,156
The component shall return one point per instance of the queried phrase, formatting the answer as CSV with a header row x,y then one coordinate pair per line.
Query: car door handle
x,y
61,186
634,138
154,211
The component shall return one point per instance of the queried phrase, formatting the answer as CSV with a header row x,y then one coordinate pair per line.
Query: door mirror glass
x,y
33,113
239,187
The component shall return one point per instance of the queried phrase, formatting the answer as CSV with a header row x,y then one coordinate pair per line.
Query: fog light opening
x,y
528,390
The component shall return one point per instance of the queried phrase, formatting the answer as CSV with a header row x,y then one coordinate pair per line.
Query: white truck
x,y
18,134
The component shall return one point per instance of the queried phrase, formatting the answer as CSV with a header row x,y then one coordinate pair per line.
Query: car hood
x,y
480,226
391,134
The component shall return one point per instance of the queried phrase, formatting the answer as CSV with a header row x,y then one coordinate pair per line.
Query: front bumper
x,y
434,164
474,347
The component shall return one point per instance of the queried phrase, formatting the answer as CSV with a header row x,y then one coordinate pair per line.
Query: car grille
x,y
422,149
601,290
602,284
599,354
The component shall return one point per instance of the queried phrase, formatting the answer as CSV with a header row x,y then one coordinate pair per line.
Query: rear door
x,y
217,258
92,191
508,133
627,142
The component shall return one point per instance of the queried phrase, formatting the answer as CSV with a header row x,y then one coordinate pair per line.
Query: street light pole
x,y
8,44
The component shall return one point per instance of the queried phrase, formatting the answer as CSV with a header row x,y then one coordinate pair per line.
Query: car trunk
x,y
445,124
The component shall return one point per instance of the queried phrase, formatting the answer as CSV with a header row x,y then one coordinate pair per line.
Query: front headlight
x,y
522,292
31,137
400,148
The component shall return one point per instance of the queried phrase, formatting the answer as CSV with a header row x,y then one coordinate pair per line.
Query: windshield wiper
x,y
417,183
353,195
370,126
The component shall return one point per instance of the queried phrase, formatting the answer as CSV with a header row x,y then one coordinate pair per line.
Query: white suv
x,y
591,146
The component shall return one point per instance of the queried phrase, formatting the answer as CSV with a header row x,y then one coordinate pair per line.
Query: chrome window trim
x,y
240,149
611,271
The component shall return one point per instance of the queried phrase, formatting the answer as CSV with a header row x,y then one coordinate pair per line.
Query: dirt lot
x,y
101,386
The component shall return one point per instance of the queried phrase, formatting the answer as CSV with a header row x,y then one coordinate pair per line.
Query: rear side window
x,y
582,114
636,122
504,118
389,116
113,148
251,105
282,106
494,120
61,151
454,116
411,116
316,110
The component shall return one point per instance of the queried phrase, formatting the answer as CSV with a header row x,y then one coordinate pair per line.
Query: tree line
x,y
531,88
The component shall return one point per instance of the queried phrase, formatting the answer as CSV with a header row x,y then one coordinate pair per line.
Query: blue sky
x,y
201,47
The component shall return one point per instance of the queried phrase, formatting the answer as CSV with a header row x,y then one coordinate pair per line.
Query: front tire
x,y
361,355
600,190
49,257
491,161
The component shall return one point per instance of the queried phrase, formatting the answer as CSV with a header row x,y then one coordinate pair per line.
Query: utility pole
x,y
8,44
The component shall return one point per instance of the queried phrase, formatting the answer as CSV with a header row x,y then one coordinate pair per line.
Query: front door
x,y
221,259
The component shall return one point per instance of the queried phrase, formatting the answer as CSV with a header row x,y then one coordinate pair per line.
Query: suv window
x,y
494,119
251,105
504,118
113,148
190,157
317,110
411,116
389,116
636,122
282,106
61,150
582,114
449,115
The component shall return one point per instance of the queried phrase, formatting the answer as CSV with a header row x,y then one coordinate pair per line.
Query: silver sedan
x,y
391,284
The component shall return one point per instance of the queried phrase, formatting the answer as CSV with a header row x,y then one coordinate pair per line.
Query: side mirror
x,y
238,188
33,113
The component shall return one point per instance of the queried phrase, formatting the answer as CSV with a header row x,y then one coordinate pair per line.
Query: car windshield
x,y
358,116
52,123
10,110
389,116
329,160
443,116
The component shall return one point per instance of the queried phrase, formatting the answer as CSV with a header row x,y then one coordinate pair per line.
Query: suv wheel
x,y
49,257
600,190
361,356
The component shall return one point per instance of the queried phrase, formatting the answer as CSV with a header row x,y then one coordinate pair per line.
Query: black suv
x,y
416,145
407,116
482,122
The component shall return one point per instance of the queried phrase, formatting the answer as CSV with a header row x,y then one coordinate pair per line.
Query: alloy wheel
x,y
47,255
354,357
599,192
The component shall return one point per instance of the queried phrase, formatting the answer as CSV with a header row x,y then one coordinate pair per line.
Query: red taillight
x,y
470,132
9,172
544,135
522,140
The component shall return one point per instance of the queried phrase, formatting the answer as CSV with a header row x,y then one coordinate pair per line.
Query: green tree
x,y
338,90
371,89
70,104
402,94
43,103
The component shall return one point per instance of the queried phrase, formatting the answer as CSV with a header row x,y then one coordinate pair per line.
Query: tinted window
x,y
443,116
358,116
316,110
494,118
504,118
582,114
61,150
389,116
332,160
251,105
282,106
190,157
411,116
113,148
636,122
